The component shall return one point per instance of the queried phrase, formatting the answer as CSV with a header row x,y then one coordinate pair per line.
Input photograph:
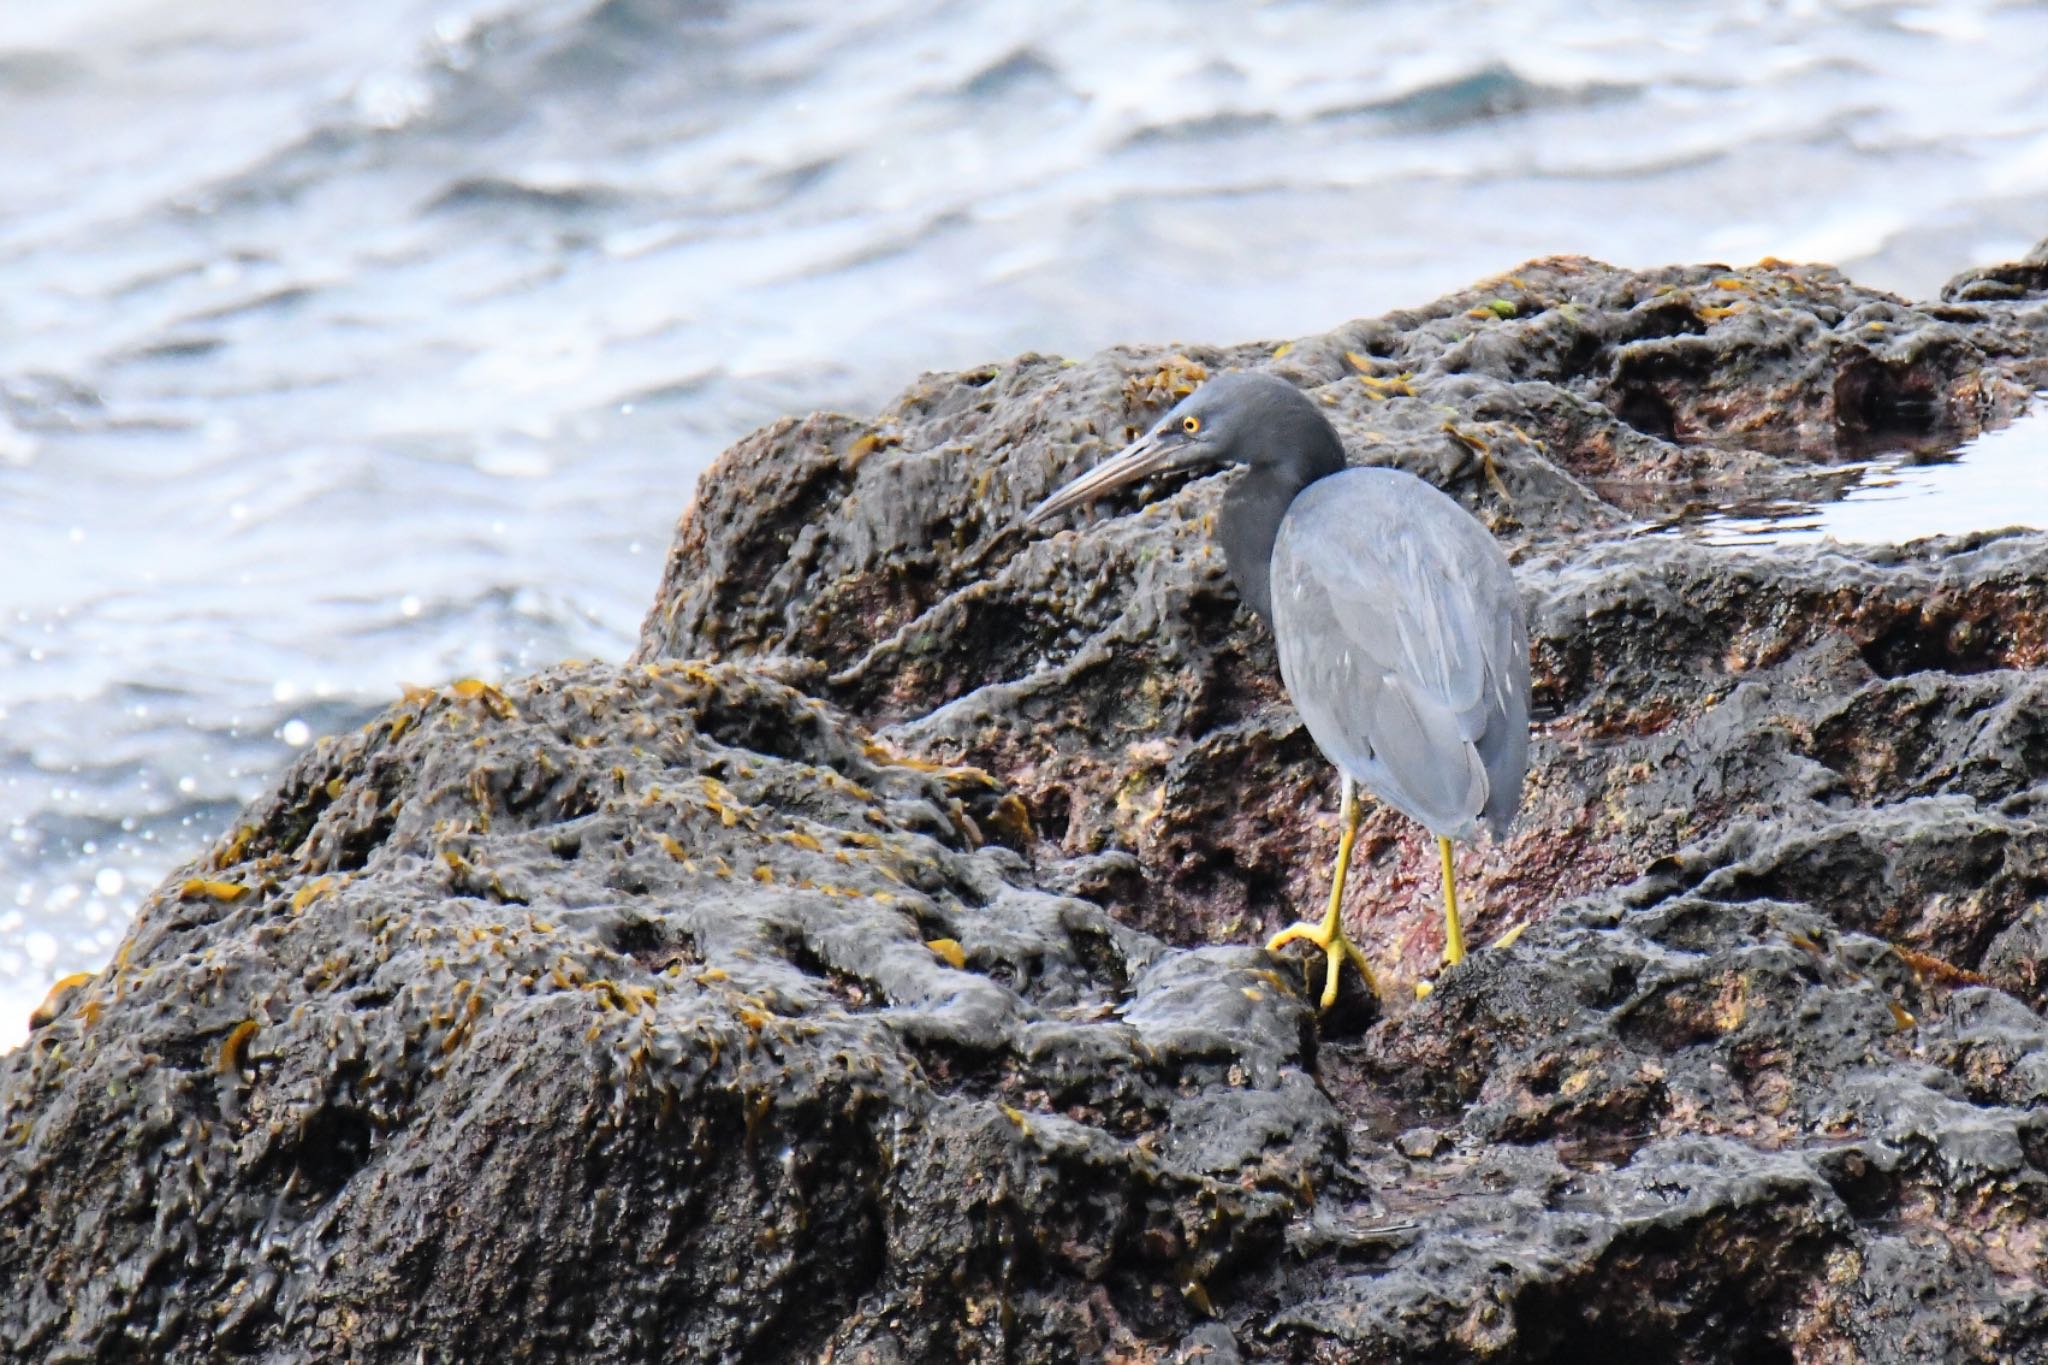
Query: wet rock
x,y
868,970
645,1013
2026,278
1421,1143
1109,676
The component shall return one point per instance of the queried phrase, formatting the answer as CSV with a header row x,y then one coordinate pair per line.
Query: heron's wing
x,y
1402,643
1504,744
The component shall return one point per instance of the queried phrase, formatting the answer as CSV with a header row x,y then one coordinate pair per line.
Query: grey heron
x,y
1401,636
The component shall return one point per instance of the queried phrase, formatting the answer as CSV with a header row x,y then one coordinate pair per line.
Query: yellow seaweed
x,y
230,1059
306,894
476,689
54,1001
232,852
861,448
201,888
1011,816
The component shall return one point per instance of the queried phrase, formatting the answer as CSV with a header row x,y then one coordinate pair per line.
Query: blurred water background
x,y
350,345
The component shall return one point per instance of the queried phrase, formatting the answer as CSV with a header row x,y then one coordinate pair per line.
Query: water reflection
x,y
1992,482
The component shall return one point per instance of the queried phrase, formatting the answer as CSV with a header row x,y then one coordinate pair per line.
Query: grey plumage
x,y
1401,635
1402,642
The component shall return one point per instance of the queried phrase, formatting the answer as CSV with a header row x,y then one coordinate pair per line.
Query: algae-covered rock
x,y
868,971
640,1014
1109,675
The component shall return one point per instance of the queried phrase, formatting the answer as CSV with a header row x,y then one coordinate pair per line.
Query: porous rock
x,y
869,969
639,1014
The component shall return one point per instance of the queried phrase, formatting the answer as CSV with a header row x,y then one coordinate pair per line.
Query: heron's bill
x,y
1150,454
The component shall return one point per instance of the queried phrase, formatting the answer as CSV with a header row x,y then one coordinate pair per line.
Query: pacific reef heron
x,y
1401,636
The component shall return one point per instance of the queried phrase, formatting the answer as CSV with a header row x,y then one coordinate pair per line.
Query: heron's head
x,y
1236,418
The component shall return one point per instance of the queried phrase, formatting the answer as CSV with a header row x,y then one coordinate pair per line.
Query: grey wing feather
x,y
1403,644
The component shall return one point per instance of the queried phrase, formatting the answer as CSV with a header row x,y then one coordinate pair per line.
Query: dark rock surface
x,y
1110,678
865,972
638,1014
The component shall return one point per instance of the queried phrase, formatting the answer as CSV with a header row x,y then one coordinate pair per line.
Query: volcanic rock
x,y
868,970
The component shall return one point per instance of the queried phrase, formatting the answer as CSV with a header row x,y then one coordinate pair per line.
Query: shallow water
x,y
345,346
1994,481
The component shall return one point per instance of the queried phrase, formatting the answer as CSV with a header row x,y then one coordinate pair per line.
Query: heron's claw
x,y
1328,935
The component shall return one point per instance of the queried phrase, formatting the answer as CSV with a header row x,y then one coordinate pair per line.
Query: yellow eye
x,y
1191,425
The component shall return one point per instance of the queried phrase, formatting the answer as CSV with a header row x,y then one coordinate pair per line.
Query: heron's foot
x,y
1328,935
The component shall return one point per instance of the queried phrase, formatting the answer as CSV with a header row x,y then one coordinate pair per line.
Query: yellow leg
x,y
1329,934
1454,936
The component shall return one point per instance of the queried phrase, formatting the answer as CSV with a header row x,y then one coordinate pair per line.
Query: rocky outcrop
x,y
1110,678
868,969
646,1014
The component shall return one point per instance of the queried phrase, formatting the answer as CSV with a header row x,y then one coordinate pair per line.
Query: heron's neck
x,y
1253,509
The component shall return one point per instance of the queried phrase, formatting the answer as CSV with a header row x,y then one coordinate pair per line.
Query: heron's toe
x,y
1337,949
1312,932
